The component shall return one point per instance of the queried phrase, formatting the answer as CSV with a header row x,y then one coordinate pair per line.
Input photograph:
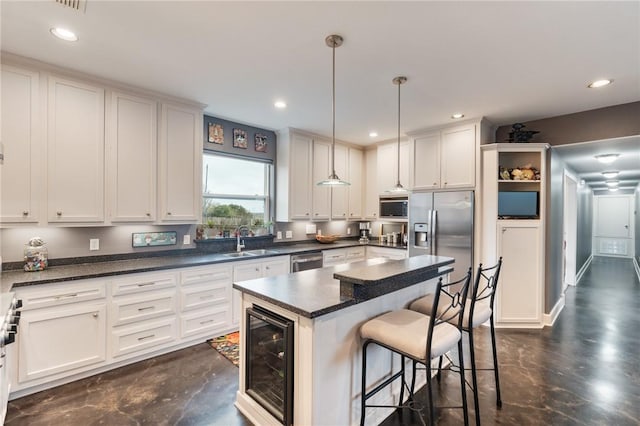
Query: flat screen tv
x,y
518,205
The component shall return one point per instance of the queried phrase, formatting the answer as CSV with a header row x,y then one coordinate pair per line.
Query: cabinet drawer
x,y
206,275
333,257
60,294
127,340
206,322
131,309
203,295
143,282
356,253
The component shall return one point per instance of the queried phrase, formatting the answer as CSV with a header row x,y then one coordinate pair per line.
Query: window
x,y
235,192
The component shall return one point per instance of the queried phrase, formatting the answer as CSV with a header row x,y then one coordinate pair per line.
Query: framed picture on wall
x,y
261,142
239,139
216,134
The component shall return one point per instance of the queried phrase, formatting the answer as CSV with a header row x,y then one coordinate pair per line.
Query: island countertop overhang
x,y
317,292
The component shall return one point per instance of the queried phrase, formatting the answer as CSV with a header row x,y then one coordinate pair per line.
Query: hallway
x,y
583,371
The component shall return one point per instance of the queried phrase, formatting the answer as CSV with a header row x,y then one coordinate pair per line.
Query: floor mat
x,y
227,345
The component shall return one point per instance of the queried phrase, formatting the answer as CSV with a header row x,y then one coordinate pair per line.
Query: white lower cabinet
x,y
62,330
386,253
205,301
343,255
142,337
243,271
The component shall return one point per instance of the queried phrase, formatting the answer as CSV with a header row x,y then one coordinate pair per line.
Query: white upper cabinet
x,y
20,173
387,167
321,170
75,146
355,196
131,158
340,194
180,164
371,197
446,159
293,176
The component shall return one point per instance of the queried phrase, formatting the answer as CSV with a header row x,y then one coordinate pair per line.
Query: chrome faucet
x,y
240,246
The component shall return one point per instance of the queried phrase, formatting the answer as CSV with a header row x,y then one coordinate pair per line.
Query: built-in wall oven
x,y
269,362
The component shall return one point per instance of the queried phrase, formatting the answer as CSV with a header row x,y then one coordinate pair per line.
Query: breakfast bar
x,y
300,350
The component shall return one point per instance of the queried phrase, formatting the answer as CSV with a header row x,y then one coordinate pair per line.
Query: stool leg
x,y
402,382
465,408
430,392
439,375
474,376
364,382
495,363
413,377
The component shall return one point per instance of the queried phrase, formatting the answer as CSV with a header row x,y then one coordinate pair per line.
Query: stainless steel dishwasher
x,y
305,261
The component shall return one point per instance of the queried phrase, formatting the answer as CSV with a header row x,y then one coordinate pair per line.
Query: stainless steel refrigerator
x,y
441,223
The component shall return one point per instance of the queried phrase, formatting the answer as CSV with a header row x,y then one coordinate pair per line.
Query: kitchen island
x,y
325,309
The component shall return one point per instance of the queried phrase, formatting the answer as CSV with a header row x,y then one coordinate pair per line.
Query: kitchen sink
x,y
240,254
261,252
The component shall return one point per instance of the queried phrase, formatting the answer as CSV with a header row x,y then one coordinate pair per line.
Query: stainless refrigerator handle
x,y
434,234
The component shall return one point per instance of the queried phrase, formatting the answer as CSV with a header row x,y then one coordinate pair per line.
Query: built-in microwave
x,y
394,208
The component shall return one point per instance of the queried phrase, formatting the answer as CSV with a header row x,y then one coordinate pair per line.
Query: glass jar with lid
x,y
36,255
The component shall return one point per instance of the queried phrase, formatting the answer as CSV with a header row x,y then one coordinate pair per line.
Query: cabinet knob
x,y
445,183
95,315
344,214
257,269
25,213
306,214
316,214
59,213
435,183
168,213
266,267
148,214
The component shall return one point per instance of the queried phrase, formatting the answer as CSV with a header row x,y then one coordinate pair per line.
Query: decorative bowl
x,y
326,239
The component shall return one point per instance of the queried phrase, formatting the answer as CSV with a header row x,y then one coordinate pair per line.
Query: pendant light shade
x,y
333,41
398,81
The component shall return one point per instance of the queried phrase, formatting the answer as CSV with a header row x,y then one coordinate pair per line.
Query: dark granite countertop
x,y
87,269
316,292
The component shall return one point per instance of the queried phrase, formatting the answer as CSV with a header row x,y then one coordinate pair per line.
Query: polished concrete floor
x,y
585,370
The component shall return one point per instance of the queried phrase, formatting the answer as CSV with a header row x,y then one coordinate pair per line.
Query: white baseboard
x,y
637,267
551,317
583,269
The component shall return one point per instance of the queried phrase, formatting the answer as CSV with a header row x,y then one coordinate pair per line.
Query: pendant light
x,y
333,41
399,81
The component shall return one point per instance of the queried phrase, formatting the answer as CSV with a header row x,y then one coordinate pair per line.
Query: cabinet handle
x,y
344,214
25,213
146,337
148,214
95,315
504,229
64,296
59,213
435,183
168,213
306,214
145,284
205,322
316,214
257,269
146,308
266,267
210,296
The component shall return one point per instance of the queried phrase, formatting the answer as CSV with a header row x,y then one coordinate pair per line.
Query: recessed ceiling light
x,y
600,83
457,115
610,175
612,183
280,104
582,182
64,34
373,134
613,189
607,158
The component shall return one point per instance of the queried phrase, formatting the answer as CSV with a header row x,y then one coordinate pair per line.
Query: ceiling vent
x,y
78,5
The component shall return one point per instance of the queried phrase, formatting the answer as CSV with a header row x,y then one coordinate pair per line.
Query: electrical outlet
x,y
94,244
348,231
289,234
186,239
319,232
279,235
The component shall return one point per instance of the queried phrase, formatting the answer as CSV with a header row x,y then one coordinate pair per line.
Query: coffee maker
x,y
365,231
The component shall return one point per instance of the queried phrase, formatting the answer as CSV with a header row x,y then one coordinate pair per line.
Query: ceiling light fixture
x,y
373,134
607,158
610,175
64,34
614,189
599,83
399,81
280,104
612,183
457,115
333,41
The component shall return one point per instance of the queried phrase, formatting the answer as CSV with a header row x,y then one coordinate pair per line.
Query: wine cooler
x,y
269,362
